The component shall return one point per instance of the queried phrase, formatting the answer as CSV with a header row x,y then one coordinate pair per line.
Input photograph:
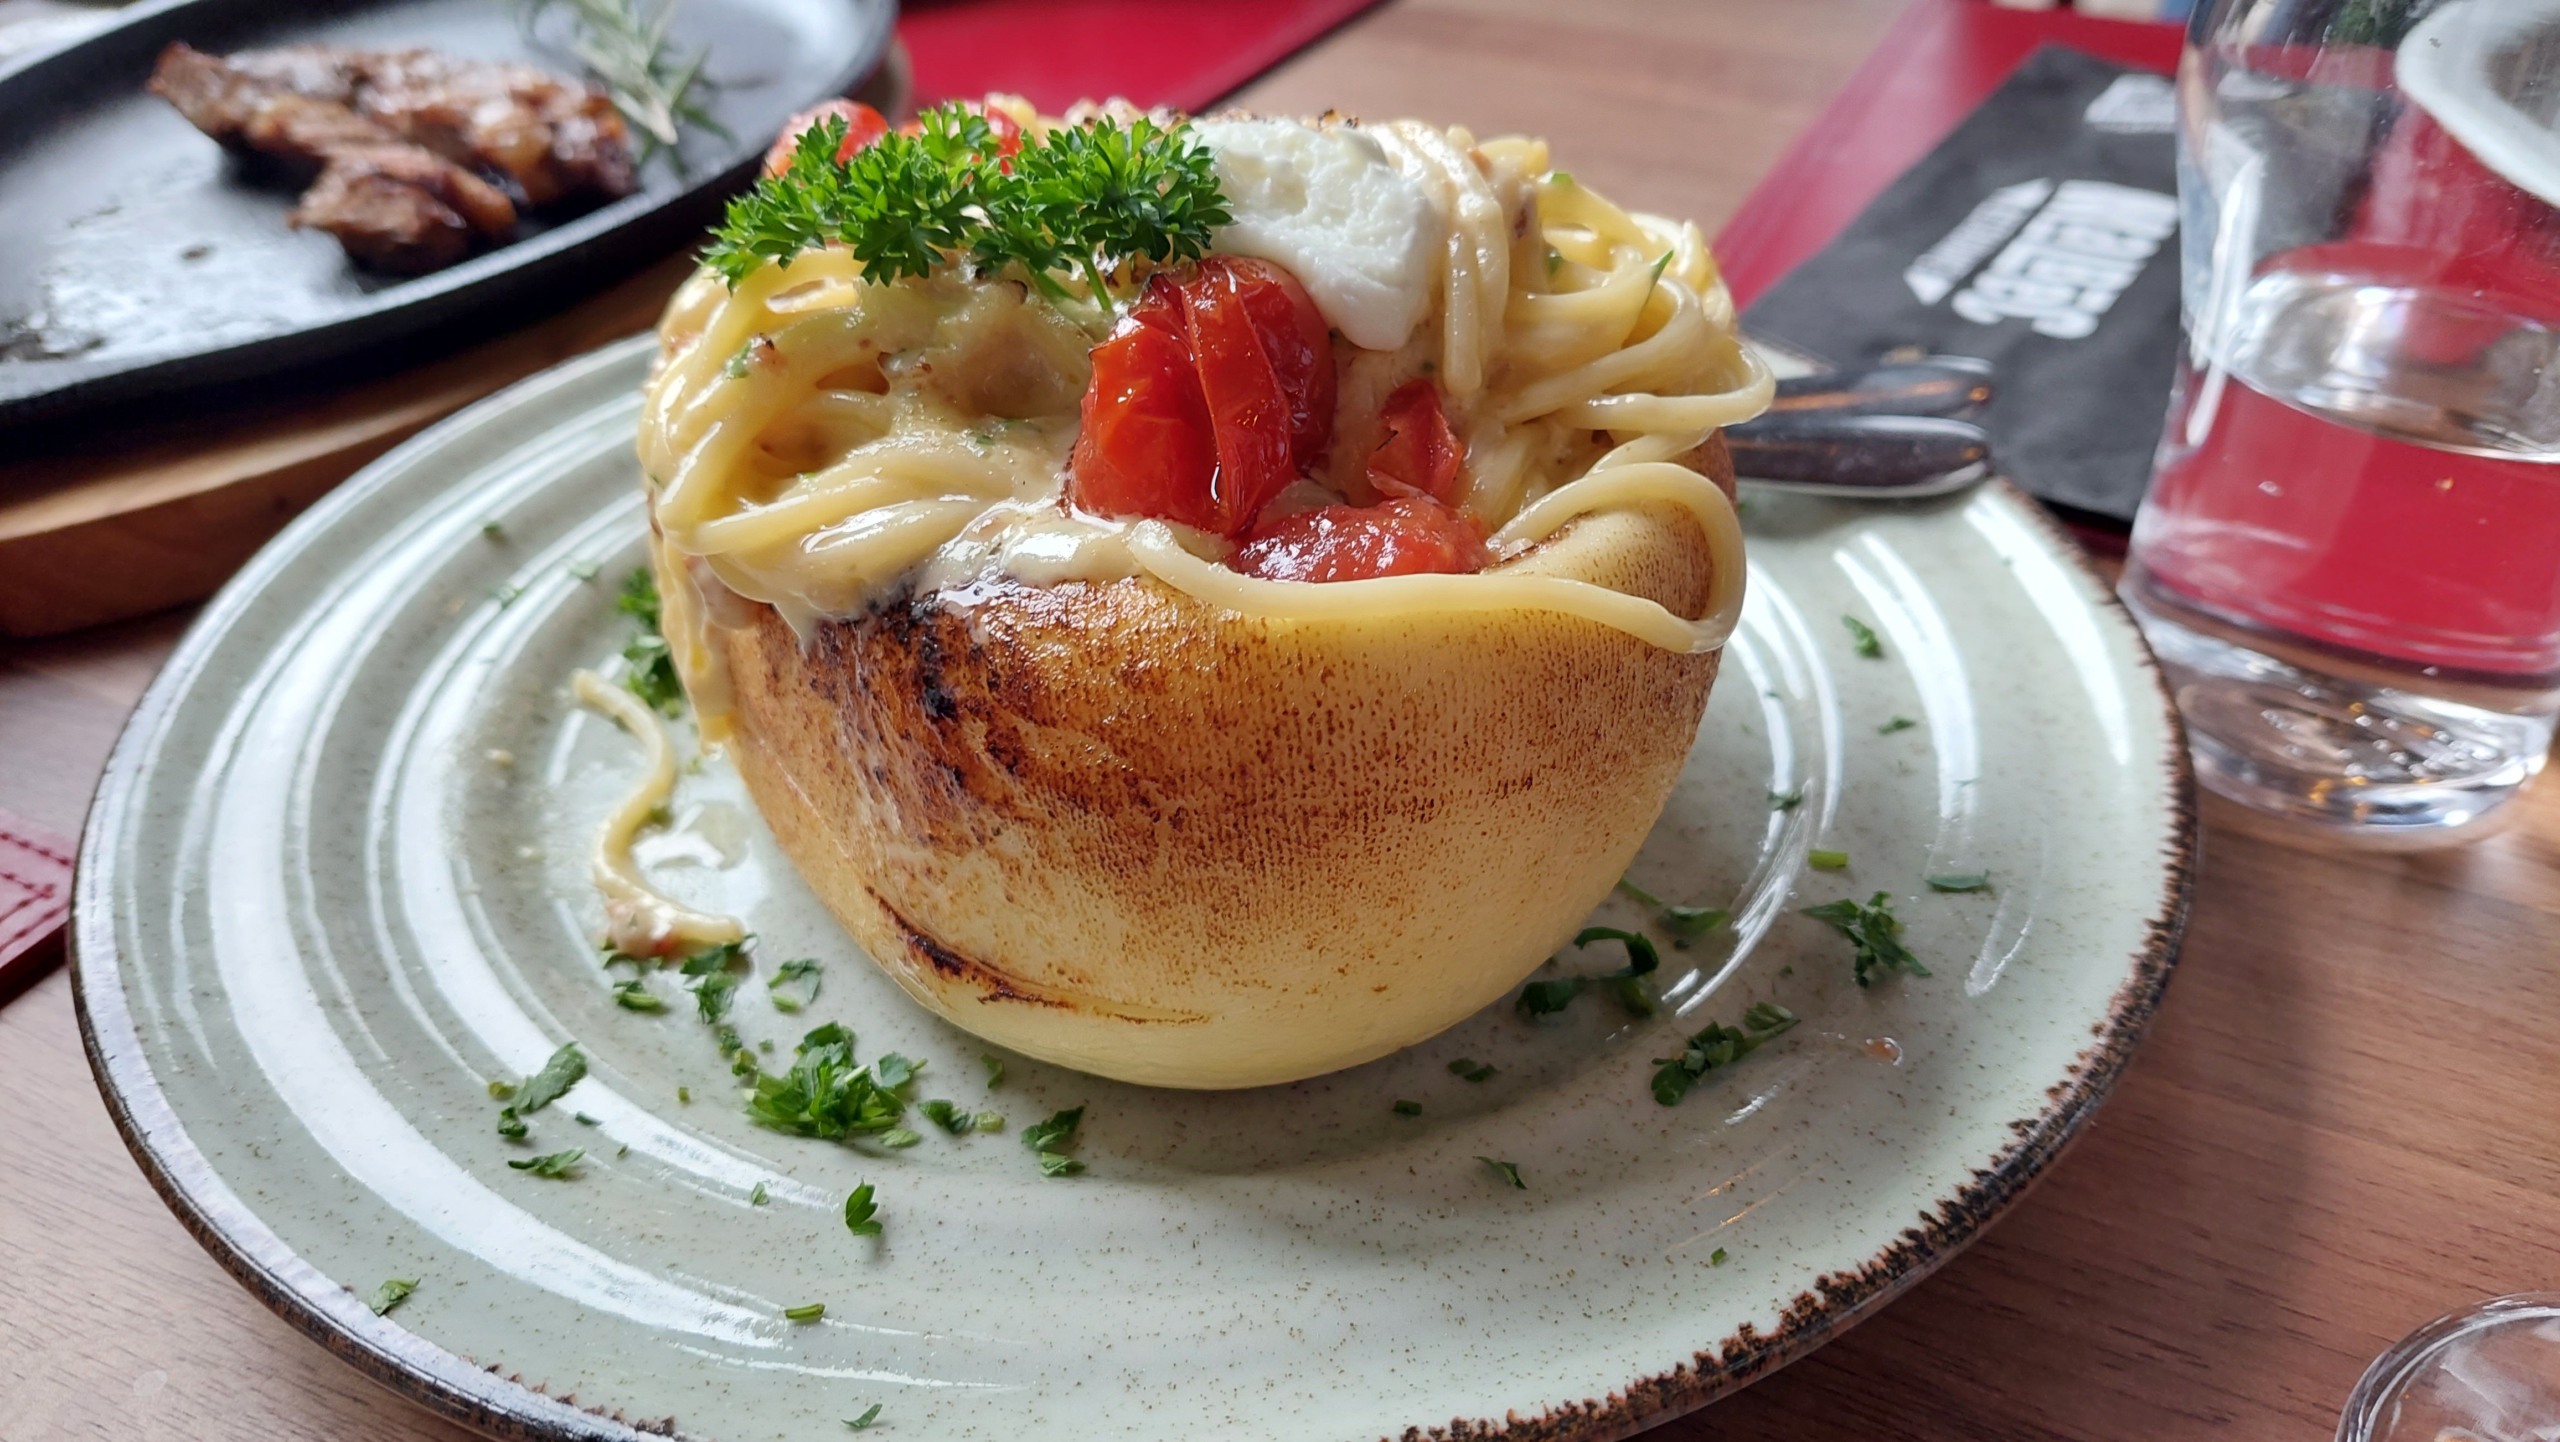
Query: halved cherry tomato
x,y
1420,455
862,127
1213,394
1146,448
1409,536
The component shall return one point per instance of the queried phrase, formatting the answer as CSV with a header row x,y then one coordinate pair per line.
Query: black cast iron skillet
x,y
144,271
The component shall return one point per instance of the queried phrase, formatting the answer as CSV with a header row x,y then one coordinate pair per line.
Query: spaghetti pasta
x,y
816,442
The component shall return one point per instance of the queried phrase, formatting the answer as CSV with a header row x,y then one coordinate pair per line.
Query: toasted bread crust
x,y
1111,826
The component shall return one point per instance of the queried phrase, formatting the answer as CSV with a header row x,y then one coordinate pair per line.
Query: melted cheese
x,y
1329,207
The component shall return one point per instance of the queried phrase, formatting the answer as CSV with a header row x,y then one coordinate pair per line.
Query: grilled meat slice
x,y
548,137
551,137
398,140
393,204
401,208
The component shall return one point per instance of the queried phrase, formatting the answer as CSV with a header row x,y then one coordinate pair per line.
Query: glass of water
x,y
2489,1373
2349,558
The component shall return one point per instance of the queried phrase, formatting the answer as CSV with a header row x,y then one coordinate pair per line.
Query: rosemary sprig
x,y
628,52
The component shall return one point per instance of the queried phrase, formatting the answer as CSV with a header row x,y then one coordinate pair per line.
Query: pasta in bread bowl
x,y
1214,654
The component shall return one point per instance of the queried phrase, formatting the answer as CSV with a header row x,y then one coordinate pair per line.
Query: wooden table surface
x,y
2343,1123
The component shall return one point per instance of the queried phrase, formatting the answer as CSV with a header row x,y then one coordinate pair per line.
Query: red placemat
x,y
1940,60
35,897
1184,53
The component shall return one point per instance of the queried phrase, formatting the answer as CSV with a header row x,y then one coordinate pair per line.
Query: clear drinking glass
x,y
2349,559
2489,1373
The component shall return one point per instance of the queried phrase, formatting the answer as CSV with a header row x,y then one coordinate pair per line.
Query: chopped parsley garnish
x,y
808,1313
1716,1257
559,1074
1685,923
1408,1109
1659,266
684,1096
959,1121
493,530
1863,638
995,1069
1075,201
861,1215
863,1422
759,1196
1050,1141
1469,1069
585,571
1898,723
826,1094
900,1137
1874,932
652,674
1628,885
587,1121
713,993
392,1292
501,1090
1554,994
1507,1171
1786,800
558,1165
634,995
1717,1045
511,1126
791,973
715,984
1961,881
895,1071
1822,860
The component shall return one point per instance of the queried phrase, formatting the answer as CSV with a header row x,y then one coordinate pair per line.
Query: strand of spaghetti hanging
x,y
1065,211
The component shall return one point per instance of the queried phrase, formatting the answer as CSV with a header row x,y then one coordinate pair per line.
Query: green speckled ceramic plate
x,y
333,886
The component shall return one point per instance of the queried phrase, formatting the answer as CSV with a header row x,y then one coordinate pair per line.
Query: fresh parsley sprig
x,y
1076,201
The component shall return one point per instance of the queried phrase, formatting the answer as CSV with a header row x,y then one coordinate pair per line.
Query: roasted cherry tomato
x,y
1213,394
862,126
1420,455
1408,536
1146,447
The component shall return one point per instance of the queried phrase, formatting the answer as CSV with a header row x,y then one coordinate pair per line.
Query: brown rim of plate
x,y
505,1405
